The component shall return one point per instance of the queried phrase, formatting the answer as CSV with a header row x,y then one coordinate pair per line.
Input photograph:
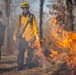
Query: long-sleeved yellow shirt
x,y
31,31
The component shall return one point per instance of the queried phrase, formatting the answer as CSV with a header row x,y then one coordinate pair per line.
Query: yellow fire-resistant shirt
x,y
31,30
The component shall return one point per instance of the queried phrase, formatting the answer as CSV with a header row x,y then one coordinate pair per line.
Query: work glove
x,y
37,43
37,38
14,38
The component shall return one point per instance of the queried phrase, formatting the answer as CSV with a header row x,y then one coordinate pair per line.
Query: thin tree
x,y
41,22
7,13
70,13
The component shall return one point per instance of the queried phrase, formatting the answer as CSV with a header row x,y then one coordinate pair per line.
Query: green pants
x,y
23,45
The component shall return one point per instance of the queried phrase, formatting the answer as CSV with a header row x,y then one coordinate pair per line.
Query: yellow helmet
x,y
25,5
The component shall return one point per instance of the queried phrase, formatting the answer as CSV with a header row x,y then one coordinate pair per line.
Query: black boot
x,y
20,67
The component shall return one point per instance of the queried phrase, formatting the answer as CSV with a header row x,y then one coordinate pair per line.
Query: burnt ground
x,y
8,66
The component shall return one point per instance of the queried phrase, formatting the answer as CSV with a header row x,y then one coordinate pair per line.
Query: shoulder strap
x,y
20,19
31,18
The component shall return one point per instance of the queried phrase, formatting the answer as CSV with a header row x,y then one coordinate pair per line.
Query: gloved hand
x,y
37,38
36,45
14,38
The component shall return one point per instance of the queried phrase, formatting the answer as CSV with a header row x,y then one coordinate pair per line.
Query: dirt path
x,y
8,66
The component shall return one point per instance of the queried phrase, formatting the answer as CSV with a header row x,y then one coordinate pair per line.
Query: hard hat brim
x,y
25,7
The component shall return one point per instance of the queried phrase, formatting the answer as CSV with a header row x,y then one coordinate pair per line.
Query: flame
x,y
64,40
54,21
54,54
38,50
36,45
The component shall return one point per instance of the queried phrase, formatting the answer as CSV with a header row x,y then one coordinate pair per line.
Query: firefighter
x,y
2,30
27,32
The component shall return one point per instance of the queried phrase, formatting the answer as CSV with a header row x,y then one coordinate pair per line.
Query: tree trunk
x,y
7,14
0,51
41,22
70,15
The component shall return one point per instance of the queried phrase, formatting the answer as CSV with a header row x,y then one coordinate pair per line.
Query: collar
x,y
25,14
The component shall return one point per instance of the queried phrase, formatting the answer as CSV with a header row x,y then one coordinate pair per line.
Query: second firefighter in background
x,y
28,35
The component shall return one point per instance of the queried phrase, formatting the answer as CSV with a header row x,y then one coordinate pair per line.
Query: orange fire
x,y
64,40
36,45
38,50
54,54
